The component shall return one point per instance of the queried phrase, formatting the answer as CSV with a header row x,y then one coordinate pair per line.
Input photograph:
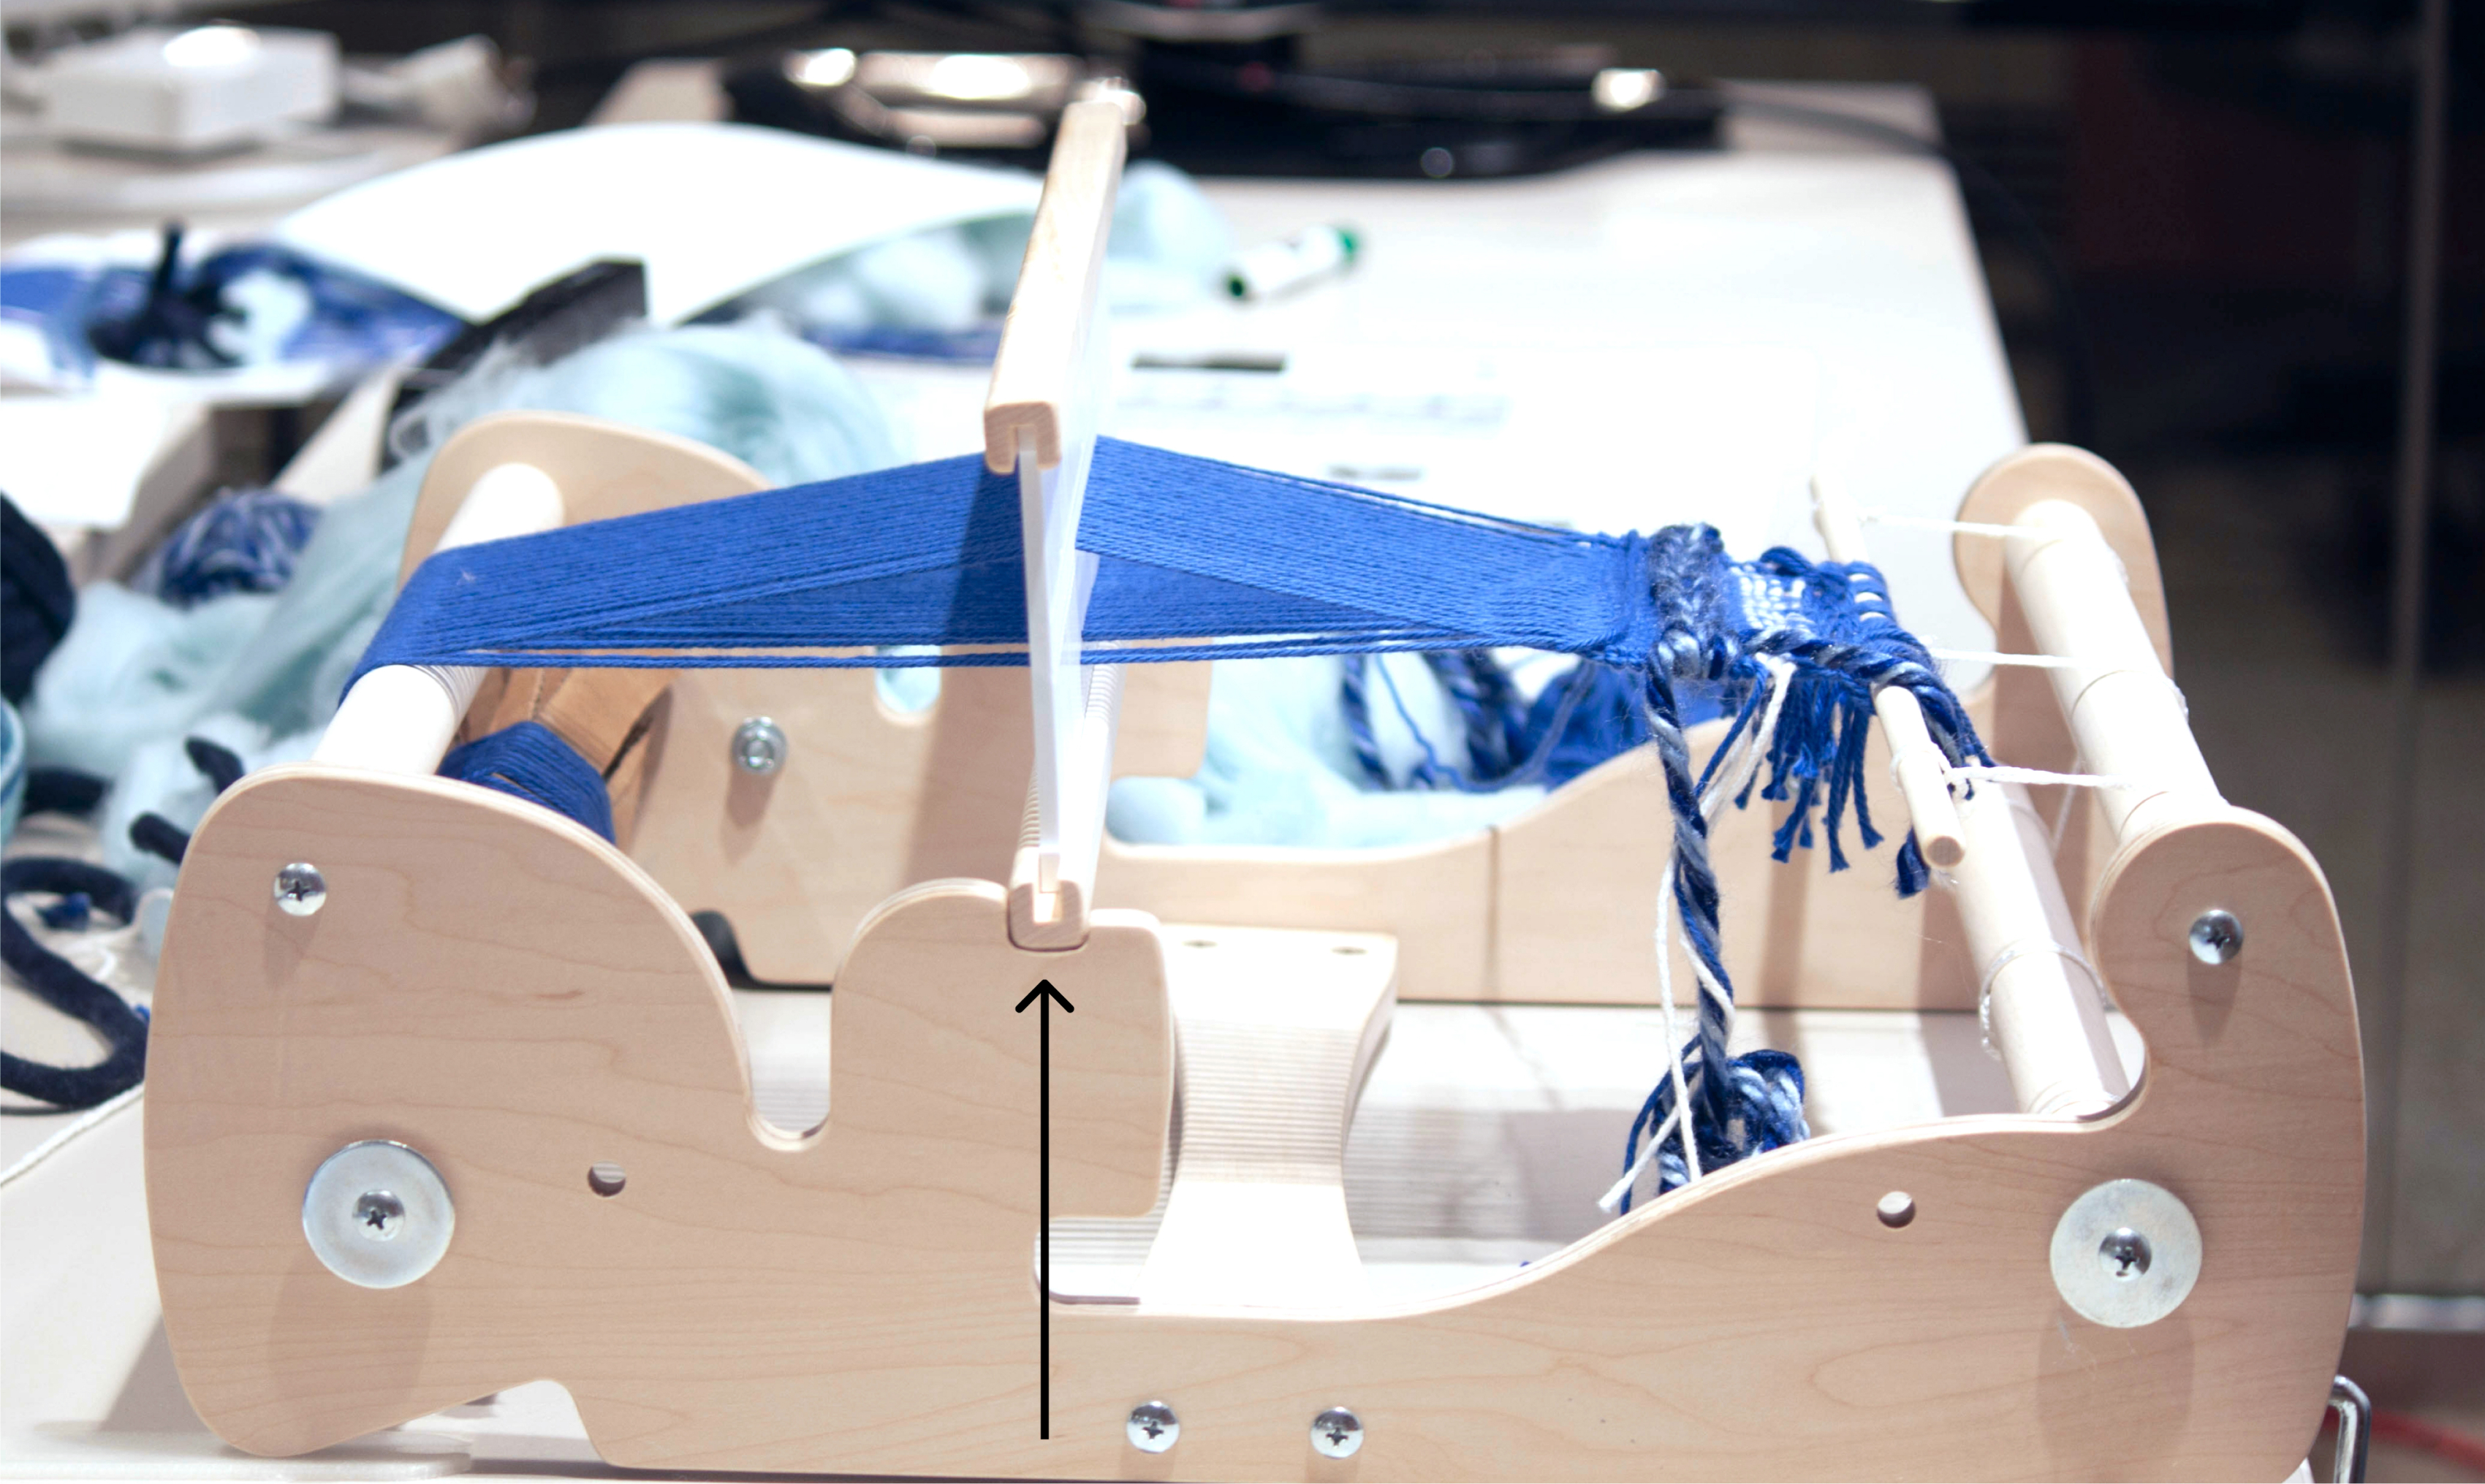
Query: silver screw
x,y
1337,1433
1152,1427
2217,937
759,746
379,1215
300,889
2124,1254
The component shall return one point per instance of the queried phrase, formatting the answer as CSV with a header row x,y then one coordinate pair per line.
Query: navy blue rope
x,y
66,988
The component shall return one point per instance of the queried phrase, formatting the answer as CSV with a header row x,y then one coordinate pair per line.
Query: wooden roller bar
x,y
2124,712
400,718
2044,1011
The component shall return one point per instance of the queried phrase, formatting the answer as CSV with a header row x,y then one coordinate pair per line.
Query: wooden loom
x,y
481,985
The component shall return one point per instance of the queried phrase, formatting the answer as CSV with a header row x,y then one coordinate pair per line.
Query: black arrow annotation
x,y
1049,996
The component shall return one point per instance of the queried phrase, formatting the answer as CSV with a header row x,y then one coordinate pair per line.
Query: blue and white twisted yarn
x,y
1806,707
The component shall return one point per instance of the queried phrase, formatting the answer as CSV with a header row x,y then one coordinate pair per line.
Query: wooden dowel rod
x,y
1044,342
1914,760
400,718
1917,764
2043,1008
2123,710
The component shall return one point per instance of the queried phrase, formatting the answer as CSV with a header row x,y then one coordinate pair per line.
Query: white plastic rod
x,y
2045,1012
2123,710
1916,762
400,718
1051,912
1040,420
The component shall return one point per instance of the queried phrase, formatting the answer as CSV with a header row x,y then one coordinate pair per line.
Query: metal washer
x,y
2085,1279
335,1228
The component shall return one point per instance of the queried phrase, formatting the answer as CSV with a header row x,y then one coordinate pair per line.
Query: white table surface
x,y
1852,266
1686,334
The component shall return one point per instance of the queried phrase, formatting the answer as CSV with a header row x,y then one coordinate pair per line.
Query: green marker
x,y
1274,267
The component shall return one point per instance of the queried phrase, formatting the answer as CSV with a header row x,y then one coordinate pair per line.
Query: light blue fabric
x,y
1280,769
263,673
1169,247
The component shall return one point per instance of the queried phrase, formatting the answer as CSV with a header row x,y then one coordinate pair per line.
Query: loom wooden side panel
x,y
508,995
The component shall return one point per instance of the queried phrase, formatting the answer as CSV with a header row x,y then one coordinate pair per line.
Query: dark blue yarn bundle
x,y
1230,562
532,762
244,543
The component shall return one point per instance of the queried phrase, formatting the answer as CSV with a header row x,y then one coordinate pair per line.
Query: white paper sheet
x,y
713,209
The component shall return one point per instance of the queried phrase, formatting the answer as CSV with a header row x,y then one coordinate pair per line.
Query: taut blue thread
x,y
1232,562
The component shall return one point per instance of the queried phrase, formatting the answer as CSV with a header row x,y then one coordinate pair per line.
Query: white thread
x,y
2182,702
1956,528
1978,774
1985,529
1755,746
1997,657
61,1138
1611,1201
2002,961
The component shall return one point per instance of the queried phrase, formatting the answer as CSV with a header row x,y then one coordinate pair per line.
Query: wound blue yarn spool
x,y
1232,562
532,762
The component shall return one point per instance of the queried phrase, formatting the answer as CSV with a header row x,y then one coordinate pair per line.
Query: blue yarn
x,y
532,762
928,555
1227,561
244,543
203,315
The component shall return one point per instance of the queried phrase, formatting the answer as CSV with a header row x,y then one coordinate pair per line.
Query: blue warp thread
x,y
530,761
1234,562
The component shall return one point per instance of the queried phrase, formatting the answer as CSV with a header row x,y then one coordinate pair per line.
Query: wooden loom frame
x,y
498,988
